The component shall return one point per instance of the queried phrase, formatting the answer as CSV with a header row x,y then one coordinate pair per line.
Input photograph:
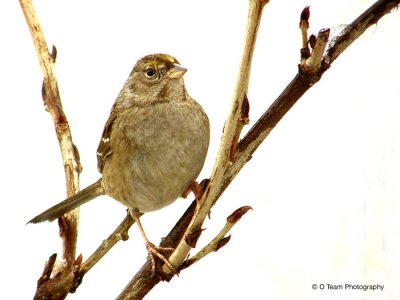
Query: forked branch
x,y
228,165
233,154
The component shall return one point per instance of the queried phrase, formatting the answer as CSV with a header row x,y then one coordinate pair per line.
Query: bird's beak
x,y
176,72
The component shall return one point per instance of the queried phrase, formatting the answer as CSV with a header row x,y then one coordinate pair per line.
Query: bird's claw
x,y
154,251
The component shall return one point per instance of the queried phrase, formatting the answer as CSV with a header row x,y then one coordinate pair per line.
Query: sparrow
x,y
153,145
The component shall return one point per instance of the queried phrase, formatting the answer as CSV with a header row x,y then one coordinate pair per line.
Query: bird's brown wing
x,y
104,148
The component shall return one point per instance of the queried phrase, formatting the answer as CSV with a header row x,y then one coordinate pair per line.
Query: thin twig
x,y
144,280
352,32
141,284
51,97
255,136
219,240
229,136
304,25
313,63
302,82
232,155
119,234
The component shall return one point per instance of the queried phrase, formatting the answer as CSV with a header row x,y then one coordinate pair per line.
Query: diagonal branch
x,y
233,155
144,280
228,165
230,136
353,31
220,240
119,234
302,82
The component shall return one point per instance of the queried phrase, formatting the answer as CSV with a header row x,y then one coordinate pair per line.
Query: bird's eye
x,y
150,72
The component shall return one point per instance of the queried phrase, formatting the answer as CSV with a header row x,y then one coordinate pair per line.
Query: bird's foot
x,y
154,251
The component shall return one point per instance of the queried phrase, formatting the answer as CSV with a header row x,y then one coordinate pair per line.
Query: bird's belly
x,y
164,162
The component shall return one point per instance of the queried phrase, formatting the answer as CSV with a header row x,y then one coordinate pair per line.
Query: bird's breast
x,y
162,152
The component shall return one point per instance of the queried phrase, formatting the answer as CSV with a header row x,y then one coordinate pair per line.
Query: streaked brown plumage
x,y
153,145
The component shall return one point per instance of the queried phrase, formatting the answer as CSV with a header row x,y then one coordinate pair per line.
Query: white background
x,y
324,186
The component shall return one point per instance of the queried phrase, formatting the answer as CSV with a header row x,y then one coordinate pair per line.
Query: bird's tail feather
x,y
83,196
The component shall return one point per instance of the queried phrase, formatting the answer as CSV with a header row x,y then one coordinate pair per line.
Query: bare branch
x,y
313,63
302,82
54,284
233,155
145,280
48,269
230,136
67,281
119,234
368,18
220,239
51,97
304,25
226,169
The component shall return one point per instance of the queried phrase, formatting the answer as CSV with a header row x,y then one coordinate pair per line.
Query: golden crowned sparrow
x,y
153,145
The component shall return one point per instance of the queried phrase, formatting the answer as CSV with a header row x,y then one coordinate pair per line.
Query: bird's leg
x,y
151,248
